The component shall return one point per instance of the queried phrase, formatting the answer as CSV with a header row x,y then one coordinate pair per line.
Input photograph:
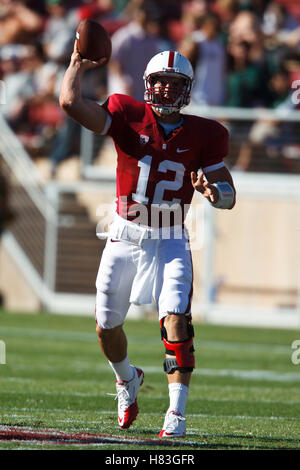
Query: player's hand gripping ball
x,y
93,41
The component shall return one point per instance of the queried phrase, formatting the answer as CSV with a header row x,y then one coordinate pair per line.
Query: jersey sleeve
x,y
217,146
117,115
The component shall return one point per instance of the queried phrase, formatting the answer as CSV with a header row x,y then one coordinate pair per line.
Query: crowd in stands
x,y
245,54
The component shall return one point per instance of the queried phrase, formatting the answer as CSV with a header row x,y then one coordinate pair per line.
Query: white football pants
x,y
173,283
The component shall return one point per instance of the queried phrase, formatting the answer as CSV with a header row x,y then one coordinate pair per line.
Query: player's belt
x,y
134,235
124,230
129,232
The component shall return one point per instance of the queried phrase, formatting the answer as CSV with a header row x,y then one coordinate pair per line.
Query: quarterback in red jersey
x,y
155,168
147,256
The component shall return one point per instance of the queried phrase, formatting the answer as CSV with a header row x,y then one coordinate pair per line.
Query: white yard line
x,y
90,337
104,395
114,412
260,375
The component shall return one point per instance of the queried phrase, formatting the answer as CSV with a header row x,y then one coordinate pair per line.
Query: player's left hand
x,y
207,189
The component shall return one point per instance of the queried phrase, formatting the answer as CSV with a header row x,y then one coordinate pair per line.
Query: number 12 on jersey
x,y
163,185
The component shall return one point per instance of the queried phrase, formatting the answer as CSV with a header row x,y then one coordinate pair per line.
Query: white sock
x,y
123,370
178,394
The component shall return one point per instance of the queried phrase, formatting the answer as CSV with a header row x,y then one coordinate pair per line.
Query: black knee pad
x,y
183,351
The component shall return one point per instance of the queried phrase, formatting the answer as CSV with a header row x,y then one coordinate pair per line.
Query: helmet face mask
x,y
168,82
168,93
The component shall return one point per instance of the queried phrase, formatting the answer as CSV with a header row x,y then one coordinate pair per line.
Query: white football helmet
x,y
172,64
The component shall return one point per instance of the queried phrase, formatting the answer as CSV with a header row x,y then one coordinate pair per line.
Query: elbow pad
x,y
226,195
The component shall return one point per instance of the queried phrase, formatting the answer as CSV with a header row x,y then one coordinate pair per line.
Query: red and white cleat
x,y
174,425
127,398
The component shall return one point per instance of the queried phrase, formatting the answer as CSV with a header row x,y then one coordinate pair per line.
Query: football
x,y
93,40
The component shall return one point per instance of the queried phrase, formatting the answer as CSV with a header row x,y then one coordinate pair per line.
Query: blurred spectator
x,y
226,9
273,135
207,54
280,90
282,34
158,25
18,82
59,32
193,12
246,78
188,21
95,8
30,102
276,20
132,48
18,22
245,27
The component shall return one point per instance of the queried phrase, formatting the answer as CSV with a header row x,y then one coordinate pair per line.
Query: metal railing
x,y
35,226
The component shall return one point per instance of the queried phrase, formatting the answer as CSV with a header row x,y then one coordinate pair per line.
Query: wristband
x,y
226,195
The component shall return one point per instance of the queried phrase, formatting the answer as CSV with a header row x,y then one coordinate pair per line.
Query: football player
x,y
163,157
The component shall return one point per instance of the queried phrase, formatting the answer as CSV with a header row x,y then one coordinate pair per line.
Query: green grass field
x,y
244,393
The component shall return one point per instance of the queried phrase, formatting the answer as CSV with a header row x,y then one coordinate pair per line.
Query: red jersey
x,y
153,170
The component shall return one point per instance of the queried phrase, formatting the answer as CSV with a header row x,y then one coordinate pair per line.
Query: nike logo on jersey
x,y
144,139
182,150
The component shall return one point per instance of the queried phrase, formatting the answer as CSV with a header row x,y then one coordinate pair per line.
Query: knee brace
x,y
184,359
